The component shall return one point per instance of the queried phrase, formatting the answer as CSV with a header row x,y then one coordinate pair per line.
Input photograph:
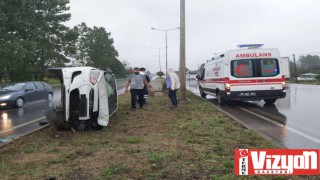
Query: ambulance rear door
x,y
242,75
269,73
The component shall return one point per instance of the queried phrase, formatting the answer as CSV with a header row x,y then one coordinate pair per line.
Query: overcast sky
x,y
292,26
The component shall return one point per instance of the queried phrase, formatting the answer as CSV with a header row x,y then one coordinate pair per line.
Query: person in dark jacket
x,y
145,88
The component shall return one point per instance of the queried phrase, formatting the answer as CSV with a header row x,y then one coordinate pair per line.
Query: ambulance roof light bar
x,y
250,46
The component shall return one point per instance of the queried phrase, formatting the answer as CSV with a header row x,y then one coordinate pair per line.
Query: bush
x,y
52,81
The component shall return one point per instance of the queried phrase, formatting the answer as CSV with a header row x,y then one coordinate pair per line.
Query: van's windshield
x,y
245,68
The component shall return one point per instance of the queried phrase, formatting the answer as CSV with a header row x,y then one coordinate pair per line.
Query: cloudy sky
x,y
211,26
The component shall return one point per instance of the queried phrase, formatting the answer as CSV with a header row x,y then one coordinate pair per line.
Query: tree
x,y
95,48
81,57
160,74
309,63
32,37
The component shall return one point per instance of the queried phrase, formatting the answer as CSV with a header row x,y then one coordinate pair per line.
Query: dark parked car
x,y
17,94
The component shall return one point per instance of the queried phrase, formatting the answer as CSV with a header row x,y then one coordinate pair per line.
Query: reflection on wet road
x,y
16,122
292,122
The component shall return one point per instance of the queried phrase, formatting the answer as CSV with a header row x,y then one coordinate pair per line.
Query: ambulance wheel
x,y
202,93
220,99
270,101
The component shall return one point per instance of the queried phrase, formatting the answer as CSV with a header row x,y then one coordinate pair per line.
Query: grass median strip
x,y
193,141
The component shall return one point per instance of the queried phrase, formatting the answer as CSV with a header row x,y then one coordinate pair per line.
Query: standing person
x,y
173,84
136,82
145,89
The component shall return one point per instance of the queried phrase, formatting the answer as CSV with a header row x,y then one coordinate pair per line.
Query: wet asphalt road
x,y
292,122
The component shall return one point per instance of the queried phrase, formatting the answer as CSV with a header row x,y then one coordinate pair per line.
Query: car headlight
x,y
5,97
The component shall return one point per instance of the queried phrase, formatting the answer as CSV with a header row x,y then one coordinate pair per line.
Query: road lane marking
x,y
307,136
41,118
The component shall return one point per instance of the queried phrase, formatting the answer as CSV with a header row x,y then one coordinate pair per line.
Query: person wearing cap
x,y
145,89
137,82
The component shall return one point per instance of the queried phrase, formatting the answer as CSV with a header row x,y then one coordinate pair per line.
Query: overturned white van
x,y
88,96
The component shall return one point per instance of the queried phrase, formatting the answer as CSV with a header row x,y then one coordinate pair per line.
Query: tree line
x,y
34,38
306,64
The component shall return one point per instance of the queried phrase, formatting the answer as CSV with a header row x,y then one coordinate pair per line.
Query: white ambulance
x,y
247,73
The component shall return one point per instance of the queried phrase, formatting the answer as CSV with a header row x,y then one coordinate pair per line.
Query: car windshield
x,y
13,87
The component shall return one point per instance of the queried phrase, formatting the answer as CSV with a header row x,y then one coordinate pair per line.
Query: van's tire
x,y
270,101
220,99
203,95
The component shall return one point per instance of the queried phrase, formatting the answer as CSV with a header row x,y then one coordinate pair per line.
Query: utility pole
x,y
182,50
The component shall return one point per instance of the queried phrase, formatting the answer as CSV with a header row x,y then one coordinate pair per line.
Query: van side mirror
x,y
200,77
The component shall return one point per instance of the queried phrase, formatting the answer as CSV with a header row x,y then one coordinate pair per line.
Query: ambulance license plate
x,y
247,94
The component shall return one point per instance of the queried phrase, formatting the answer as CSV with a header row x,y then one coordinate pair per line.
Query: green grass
x,y
133,140
110,170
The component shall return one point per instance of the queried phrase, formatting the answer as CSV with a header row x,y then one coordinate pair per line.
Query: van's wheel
x,y
220,99
19,102
202,93
270,101
82,125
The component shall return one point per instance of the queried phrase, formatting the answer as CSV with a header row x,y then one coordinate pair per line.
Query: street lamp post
x,y
159,56
166,30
